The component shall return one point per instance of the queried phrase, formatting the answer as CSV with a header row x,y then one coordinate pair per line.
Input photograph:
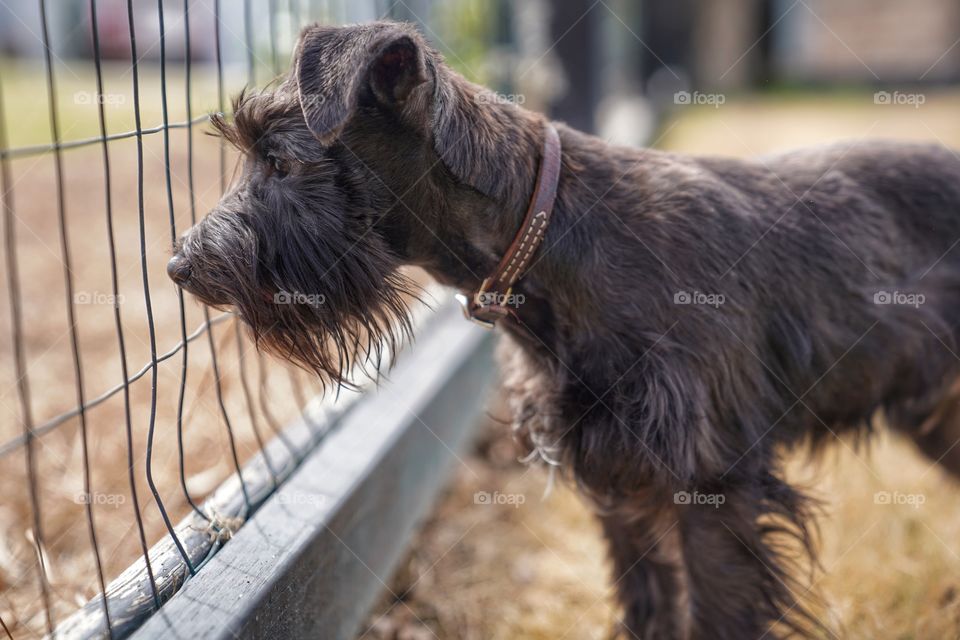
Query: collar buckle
x,y
483,310
468,312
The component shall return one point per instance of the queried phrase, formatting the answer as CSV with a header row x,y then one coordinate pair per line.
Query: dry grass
x,y
528,567
538,570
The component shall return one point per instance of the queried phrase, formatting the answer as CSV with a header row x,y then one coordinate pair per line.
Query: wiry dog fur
x,y
373,154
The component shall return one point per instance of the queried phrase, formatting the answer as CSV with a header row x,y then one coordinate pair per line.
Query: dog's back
x,y
846,258
820,273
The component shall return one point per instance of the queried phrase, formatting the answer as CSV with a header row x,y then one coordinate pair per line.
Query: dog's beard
x,y
338,308
343,334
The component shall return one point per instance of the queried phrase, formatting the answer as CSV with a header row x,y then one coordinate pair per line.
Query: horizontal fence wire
x,y
42,149
16,443
113,422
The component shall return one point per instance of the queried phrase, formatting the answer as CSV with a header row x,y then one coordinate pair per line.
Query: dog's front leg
x,y
740,544
711,563
644,546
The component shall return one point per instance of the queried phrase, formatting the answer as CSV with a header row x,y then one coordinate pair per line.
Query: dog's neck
x,y
494,150
487,156
463,197
462,201
487,143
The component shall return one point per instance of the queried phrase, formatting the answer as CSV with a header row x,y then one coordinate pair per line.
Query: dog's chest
x,y
532,393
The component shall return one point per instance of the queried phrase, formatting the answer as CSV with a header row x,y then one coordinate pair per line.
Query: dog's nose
x,y
178,269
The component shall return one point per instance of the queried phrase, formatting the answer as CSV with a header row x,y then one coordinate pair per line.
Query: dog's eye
x,y
280,166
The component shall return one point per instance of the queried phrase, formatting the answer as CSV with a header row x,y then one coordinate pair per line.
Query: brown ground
x,y
538,570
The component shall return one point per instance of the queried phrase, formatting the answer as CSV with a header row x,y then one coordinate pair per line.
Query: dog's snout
x,y
179,269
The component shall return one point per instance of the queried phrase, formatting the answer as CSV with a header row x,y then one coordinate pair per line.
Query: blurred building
x,y
724,44
868,40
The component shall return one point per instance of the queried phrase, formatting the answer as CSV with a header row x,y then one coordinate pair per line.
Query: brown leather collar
x,y
495,298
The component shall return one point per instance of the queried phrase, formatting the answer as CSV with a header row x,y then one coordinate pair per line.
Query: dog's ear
x,y
336,66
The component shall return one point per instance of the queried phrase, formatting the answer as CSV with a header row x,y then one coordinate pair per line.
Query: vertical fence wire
x,y
248,39
181,394
115,284
248,400
267,412
19,360
218,382
296,18
146,295
65,258
240,346
182,313
13,277
101,115
272,25
249,45
295,383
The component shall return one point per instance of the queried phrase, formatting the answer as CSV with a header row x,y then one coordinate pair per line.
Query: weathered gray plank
x,y
313,558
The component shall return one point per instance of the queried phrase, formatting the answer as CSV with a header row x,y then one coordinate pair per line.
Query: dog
x,y
685,320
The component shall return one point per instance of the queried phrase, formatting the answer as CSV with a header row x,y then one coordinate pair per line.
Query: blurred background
x,y
731,77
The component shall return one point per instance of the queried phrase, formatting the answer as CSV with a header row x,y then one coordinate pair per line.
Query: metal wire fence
x,y
102,166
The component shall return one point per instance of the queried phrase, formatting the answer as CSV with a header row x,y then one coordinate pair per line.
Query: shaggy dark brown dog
x,y
685,320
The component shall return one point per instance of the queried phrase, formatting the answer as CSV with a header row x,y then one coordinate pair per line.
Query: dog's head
x,y
369,154
297,246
